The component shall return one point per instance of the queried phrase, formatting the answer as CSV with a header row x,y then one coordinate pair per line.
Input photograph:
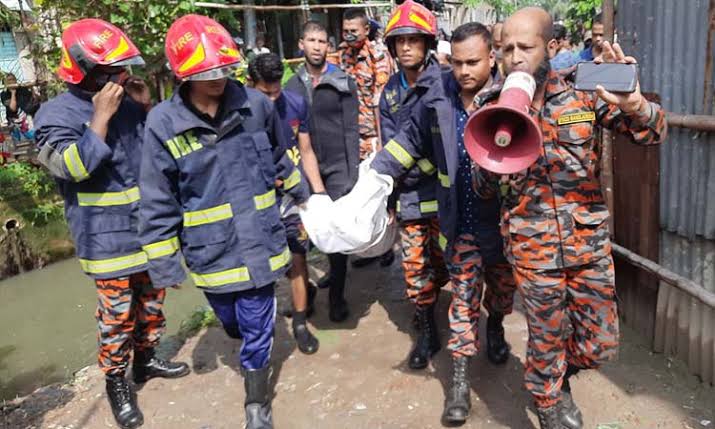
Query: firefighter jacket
x,y
416,191
97,178
431,134
209,190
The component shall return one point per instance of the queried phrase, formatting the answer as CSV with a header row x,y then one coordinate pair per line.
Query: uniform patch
x,y
577,117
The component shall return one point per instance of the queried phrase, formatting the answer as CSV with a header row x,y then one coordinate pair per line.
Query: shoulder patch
x,y
577,117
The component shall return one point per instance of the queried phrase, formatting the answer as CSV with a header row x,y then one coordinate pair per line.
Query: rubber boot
x,y
363,262
571,416
123,402
549,418
148,366
307,343
497,347
258,404
458,402
428,341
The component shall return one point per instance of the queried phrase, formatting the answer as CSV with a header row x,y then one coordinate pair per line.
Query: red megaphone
x,y
503,138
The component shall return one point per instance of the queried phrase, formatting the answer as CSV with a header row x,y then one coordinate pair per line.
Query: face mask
x,y
103,78
352,39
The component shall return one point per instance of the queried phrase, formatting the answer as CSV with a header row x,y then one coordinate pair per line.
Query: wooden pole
x,y
606,135
289,8
664,274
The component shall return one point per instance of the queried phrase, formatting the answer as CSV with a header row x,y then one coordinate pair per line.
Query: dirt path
x,y
359,379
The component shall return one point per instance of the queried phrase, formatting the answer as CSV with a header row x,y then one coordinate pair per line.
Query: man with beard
x,y
470,235
555,219
333,125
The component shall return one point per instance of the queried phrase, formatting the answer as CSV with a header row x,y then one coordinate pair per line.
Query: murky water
x,y
47,325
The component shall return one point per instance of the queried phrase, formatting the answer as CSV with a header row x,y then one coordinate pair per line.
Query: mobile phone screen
x,y
614,77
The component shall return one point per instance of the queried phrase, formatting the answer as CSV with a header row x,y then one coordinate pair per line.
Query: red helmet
x,y
411,18
88,43
199,48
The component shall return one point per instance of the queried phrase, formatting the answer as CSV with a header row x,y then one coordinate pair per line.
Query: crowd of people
x,y
220,172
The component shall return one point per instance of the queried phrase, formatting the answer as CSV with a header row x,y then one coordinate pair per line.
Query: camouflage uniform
x,y
557,237
369,67
422,260
129,314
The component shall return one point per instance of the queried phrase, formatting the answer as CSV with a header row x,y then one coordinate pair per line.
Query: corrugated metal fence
x,y
673,41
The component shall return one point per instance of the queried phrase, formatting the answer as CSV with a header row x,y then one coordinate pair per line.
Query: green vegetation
x,y
28,194
201,318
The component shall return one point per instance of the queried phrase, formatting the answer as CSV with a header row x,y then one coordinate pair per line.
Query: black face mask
x,y
102,79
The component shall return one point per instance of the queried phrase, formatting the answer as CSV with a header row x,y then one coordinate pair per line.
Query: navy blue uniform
x,y
208,188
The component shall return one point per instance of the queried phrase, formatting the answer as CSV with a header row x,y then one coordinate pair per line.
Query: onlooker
x,y
561,56
594,49
444,50
17,99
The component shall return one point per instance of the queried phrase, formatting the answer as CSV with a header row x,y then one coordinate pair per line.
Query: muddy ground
x,y
359,379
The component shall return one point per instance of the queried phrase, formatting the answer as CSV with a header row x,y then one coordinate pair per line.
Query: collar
x,y
403,81
555,85
234,99
79,92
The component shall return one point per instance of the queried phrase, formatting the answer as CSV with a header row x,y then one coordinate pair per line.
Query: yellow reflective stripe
x,y
162,248
443,179
173,149
279,261
103,266
214,214
74,163
235,275
398,206
104,199
429,206
292,180
400,154
426,166
442,242
266,200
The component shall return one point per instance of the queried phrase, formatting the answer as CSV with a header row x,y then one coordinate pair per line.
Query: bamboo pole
x,y
289,8
664,274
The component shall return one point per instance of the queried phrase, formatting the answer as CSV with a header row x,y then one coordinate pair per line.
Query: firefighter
x,y
212,156
433,135
555,219
410,40
90,140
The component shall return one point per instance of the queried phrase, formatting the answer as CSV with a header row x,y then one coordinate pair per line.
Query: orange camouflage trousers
x,y
572,319
129,315
467,277
422,260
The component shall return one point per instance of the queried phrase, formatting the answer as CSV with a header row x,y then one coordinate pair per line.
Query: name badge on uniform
x,y
575,118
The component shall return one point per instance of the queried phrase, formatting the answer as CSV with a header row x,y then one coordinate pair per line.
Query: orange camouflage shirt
x,y
554,214
370,67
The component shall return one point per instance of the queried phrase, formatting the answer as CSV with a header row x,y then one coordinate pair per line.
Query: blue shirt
x,y
587,54
293,113
564,60
467,198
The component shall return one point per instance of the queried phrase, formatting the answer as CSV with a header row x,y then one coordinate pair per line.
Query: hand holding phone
x,y
628,102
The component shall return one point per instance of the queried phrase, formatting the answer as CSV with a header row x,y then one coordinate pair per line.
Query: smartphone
x,y
614,77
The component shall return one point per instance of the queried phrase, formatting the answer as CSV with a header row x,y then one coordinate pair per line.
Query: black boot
x,y
363,262
428,341
549,418
258,404
123,402
148,366
324,282
497,347
571,417
458,403
307,343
